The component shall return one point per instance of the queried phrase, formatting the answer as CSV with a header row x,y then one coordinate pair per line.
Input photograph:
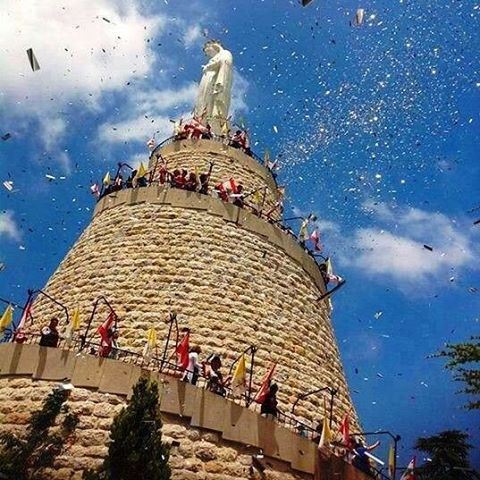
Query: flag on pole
x,y
266,158
95,190
331,276
303,233
7,318
326,436
409,473
27,312
76,319
315,238
257,197
239,380
345,430
104,328
151,144
228,186
142,171
74,325
151,342
263,391
391,461
107,180
182,351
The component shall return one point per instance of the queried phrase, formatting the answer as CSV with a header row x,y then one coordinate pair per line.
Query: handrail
x,y
154,363
214,137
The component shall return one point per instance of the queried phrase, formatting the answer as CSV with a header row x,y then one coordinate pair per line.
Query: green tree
x,y
447,455
136,451
24,458
464,359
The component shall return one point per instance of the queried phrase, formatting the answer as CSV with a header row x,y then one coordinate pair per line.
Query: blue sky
x,y
377,128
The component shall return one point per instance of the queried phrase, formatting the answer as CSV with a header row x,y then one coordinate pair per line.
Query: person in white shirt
x,y
193,370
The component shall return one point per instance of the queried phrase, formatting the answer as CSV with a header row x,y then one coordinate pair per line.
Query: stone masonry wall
x,y
229,162
200,455
229,285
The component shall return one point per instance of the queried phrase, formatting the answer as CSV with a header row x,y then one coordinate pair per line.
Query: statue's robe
x,y
214,92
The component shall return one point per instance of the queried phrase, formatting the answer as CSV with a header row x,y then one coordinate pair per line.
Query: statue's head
x,y
212,47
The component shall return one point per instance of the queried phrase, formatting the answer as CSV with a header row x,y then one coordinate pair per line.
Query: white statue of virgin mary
x,y
214,91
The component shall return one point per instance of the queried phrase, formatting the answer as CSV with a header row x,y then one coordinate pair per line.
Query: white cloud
x,y
81,56
138,129
239,93
52,131
8,226
398,250
77,50
162,100
192,35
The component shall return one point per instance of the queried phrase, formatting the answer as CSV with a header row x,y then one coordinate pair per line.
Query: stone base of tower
x,y
211,438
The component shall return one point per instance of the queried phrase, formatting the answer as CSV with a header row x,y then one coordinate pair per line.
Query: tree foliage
x,y
136,451
447,455
464,359
24,457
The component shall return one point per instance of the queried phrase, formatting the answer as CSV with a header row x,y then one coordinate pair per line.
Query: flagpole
x,y
173,317
29,299
395,442
333,392
253,350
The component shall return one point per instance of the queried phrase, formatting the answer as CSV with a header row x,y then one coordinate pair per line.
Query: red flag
x,y
409,473
262,393
27,312
103,329
345,430
183,349
233,185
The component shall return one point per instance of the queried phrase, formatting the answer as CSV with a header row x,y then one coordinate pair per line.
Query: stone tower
x,y
233,278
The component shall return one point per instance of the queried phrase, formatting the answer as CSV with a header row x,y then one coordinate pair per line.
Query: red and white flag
x,y
95,190
315,238
182,351
409,473
228,186
27,312
345,431
151,144
104,328
267,379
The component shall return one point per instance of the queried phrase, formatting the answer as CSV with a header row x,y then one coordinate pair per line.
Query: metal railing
x,y
215,138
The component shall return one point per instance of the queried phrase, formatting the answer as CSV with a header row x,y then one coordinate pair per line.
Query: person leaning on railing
x,y
193,370
270,404
49,335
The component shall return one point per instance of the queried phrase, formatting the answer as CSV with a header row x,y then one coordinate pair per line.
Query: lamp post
x,y
395,438
172,319
332,391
